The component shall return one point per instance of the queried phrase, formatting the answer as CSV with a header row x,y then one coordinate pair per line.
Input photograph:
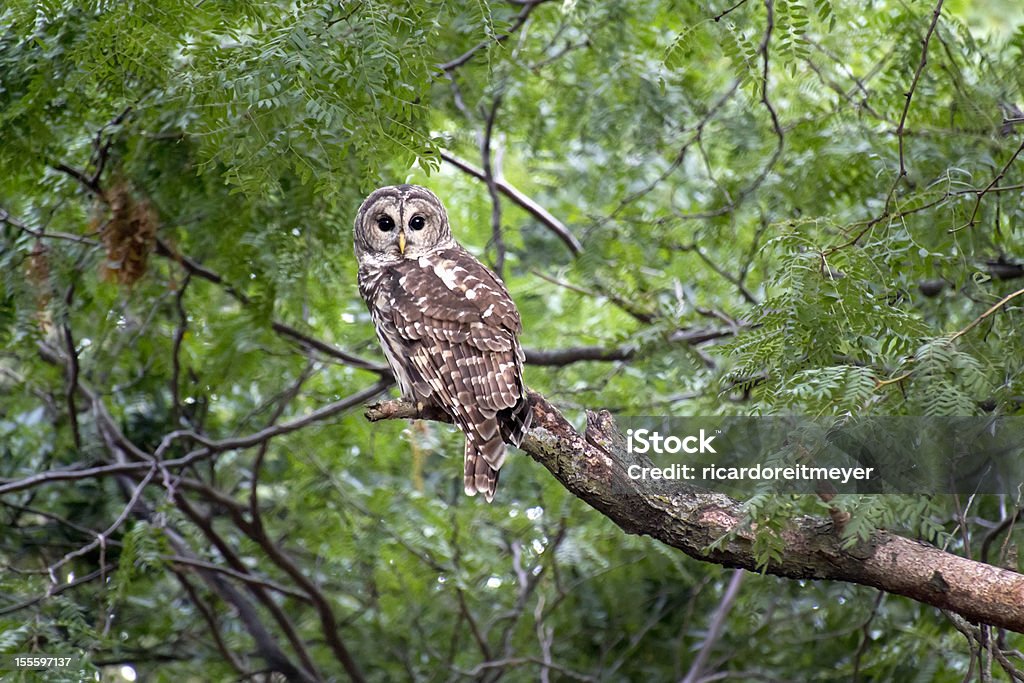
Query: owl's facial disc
x,y
402,221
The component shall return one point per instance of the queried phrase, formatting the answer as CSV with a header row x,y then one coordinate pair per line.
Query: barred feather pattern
x,y
449,329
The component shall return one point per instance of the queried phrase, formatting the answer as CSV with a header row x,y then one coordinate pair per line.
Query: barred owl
x,y
447,324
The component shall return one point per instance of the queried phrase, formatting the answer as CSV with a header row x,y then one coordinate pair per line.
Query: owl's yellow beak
x,y
401,242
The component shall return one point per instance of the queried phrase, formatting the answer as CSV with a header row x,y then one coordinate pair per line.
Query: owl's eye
x,y
417,222
385,223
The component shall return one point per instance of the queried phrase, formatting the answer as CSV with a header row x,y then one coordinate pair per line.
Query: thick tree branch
x,y
594,468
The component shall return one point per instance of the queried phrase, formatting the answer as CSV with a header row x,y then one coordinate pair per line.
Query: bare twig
x,y
629,307
53,590
261,453
721,15
244,577
211,623
179,337
247,615
714,631
695,134
533,208
995,307
71,367
909,95
865,635
988,188
209,447
305,340
491,174
726,275
109,531
769,6
517,22
205,525
6,217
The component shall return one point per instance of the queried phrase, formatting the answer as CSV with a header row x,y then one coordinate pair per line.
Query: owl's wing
x,y
462,330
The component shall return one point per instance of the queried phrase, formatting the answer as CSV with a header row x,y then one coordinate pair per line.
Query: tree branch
x,y
520,19
194,268
594,467
533,208
909,95
491,175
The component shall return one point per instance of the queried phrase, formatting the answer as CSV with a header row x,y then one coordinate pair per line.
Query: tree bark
x,y
593,467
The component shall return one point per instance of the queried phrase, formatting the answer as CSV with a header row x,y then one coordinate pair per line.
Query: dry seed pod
x,y
37,274
129,236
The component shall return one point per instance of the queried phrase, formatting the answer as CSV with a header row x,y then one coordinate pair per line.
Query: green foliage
x,y
772,215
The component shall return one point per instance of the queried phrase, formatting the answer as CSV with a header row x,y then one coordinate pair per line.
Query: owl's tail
x,y
481,476
485,446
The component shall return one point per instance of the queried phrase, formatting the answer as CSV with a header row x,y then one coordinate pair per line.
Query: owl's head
x,y
401,221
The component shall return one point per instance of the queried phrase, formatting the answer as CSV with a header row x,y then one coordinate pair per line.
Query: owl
x,y
447,324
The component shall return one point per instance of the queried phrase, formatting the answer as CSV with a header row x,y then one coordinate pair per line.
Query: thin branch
x,y
6,217
109,531
211,623
87,181
865,635
71,367
244,577
101,148
490,178
533,208
305,340
576,354
995,307
53,590
988,188
629,307
266,645
714,631
562,357
209,447
1005,525
769,6
721,15
517,22
179,337
909,95
329,622
726,275
695,135
254,476
205,525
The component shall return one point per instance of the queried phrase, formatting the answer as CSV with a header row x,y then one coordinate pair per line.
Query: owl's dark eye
x,y
417,222
385,223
